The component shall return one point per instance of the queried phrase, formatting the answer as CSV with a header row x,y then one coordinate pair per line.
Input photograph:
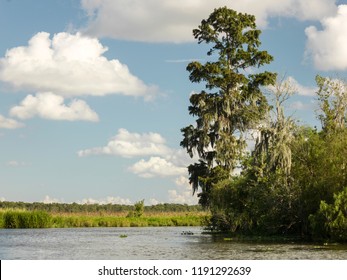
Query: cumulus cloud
x,y
183,193
292,86
153,201
161,160
127,144
69,65
301,89
327,47
107,200
298,105
2,199
173,21
9,123
50,200
51,106
156,166
16,163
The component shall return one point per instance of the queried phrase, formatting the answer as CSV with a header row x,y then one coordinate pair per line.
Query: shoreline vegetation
x,y
15,218
259,171
56,215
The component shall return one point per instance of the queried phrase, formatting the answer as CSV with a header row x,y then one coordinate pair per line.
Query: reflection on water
x,y
149,243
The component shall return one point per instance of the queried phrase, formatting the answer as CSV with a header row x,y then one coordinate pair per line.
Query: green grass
x,y
25,219
112,221
40,219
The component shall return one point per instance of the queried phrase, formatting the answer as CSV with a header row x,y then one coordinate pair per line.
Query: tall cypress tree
x,y
232,102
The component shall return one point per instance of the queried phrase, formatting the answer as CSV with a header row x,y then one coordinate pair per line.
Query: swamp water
x,y
149,243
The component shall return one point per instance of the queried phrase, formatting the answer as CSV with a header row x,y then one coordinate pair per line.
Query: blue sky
x,y
94,92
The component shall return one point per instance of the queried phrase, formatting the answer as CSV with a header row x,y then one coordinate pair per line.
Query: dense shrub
x,y
330,222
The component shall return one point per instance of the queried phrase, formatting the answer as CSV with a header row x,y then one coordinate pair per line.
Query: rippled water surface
x,y
149,243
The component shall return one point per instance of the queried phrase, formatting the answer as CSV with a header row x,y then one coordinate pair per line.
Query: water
x,y
148,243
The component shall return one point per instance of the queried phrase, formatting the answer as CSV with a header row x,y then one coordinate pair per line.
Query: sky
x,y
93,93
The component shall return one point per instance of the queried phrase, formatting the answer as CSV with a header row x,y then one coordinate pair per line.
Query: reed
x,y
61,221
25,219
16,218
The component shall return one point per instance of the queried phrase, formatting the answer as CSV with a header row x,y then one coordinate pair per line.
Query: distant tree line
x,y
94,208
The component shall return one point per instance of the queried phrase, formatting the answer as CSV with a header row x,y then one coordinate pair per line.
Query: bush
x,y
139,209
330,222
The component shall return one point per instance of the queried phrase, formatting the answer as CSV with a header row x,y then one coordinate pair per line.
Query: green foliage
x,y
24,219
138,209
307,201
293,181
319,171
330,222
39,219
156,215
96,208
111,221
235,102
231,206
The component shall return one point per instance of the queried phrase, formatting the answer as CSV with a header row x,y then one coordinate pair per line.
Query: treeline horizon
x,y
94,208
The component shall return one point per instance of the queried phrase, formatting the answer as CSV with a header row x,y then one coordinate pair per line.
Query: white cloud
x,y
69,65
9,123
298,105
292,86
51,106
162,161
156,166
127,144
2,199
107,200
183,193
327,47
301,89
304,9
16,163
173,21
153,201
49,200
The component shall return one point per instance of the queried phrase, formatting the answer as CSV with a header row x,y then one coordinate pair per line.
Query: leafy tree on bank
x,y
294,181
303,195
232,102
321,163
262,199
139,208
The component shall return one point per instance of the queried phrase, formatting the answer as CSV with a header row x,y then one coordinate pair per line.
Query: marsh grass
x,y
14,218
119,221
25,219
